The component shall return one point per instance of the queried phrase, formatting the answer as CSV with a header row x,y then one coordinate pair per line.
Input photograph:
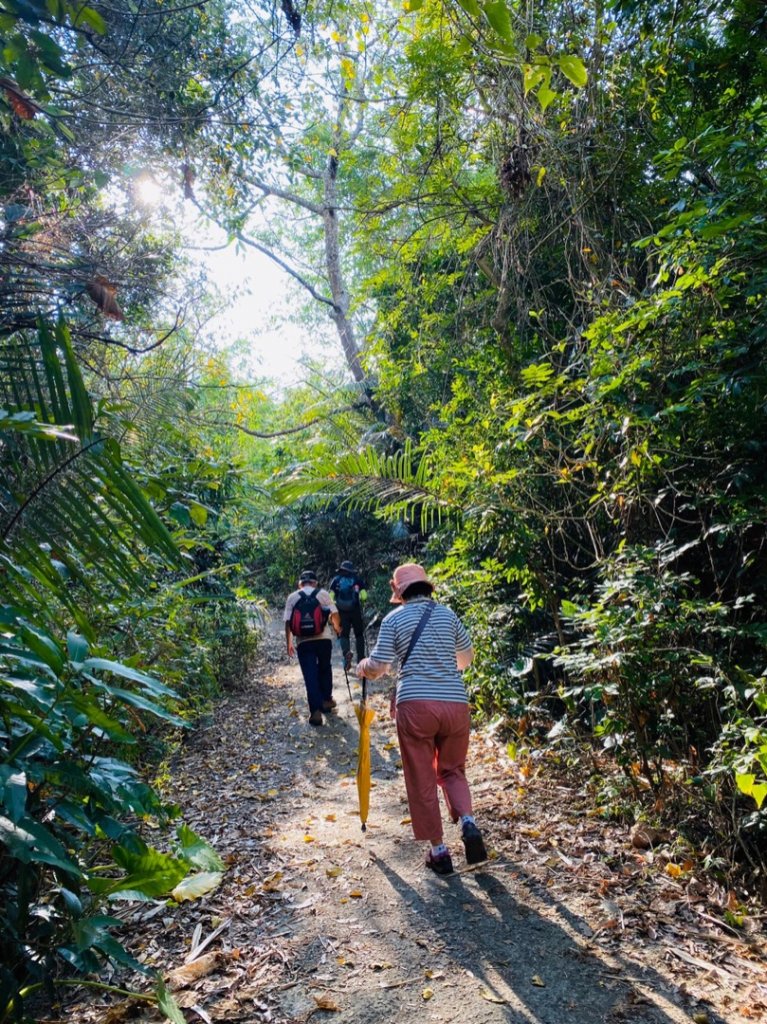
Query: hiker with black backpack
x,y
431,710
347,589
311,623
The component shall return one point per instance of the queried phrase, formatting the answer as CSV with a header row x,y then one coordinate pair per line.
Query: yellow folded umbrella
x,y
364,716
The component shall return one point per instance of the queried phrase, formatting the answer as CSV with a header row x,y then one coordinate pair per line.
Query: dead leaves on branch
x,y
21,104
103,291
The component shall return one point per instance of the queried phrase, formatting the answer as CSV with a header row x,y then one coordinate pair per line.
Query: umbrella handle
x,y
364,690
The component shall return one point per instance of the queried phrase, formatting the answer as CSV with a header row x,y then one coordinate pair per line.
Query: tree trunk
x,y
338,288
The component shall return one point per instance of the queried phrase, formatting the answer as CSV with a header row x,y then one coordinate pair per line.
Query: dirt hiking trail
x,y
566,924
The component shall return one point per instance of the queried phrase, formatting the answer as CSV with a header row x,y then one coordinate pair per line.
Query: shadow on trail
x,y
539,971
510,951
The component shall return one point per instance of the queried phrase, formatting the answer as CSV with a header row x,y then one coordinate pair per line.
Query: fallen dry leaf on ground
x,y
197,885
326,1003
491,997
189,973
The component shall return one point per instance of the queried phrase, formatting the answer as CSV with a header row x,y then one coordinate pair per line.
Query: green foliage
x,y
100,580
366,480
73,488
647,660
549,230
66,708
63,789
569,347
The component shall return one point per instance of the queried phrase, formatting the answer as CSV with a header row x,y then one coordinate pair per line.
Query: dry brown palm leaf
x,y
103,292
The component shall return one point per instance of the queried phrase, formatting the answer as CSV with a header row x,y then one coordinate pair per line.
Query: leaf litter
x,y
561,885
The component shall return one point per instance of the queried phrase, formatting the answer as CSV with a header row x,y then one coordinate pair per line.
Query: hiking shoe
x,y
473,844
348,660
315,718
441,865
329,705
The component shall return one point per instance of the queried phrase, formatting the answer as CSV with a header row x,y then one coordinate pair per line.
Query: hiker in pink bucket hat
x,y
432,647
404,576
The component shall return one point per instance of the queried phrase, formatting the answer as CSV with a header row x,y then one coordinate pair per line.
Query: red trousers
x,y
434,739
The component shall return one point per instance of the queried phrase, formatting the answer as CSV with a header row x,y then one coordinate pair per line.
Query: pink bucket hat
x,y
404,576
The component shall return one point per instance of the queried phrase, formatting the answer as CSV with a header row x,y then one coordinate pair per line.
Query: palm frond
x,y
398,486
69,510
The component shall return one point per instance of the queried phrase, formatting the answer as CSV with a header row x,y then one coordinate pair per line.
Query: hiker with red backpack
x,y
347,588
311,623
431,709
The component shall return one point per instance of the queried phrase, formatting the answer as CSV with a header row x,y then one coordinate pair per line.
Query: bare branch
x,y
288,430
291,197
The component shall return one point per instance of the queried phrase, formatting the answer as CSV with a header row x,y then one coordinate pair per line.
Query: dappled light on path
x,y
367,933
316,917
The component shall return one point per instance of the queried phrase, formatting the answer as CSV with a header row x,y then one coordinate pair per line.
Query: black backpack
x,y
345,593
308,617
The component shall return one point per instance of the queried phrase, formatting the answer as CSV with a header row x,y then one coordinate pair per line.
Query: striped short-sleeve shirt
x,y
430,672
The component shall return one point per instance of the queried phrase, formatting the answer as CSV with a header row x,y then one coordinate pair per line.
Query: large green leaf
x,y
533,75
148,871
197,851
77,647
746,783
572,67
94,715
81,402
14,790
545,96
42,645
497,14
91,17
31,842
145,704
148,682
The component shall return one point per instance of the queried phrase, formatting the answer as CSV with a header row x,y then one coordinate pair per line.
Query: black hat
x,y
346,566
308,576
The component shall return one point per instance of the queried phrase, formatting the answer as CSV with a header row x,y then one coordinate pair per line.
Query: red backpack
x,y
308,617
